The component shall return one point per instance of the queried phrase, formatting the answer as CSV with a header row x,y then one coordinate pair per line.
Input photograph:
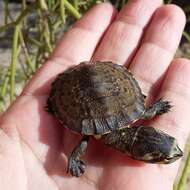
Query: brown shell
x,y
96,98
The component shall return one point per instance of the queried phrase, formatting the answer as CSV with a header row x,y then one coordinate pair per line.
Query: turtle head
x,y
154,146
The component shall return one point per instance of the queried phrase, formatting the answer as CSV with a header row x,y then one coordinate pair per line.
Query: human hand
x,y
33,146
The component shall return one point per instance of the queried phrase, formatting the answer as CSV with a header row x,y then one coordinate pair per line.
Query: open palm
x,y
144,36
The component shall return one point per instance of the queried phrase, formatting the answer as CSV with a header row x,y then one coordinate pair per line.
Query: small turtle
x,y
103,100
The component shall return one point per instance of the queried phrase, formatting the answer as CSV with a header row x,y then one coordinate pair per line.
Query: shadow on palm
x,y
97,154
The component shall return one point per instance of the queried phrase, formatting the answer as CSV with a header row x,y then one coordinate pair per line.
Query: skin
x,y
143,36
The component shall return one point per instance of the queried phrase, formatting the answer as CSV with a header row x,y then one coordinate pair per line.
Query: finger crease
x,y
86,29
159,46
122,21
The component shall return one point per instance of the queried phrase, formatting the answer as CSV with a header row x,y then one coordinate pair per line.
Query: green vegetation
x,y
35,31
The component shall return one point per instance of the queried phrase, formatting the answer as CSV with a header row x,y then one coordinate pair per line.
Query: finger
x,y
123,36
158,47
176,89
77,45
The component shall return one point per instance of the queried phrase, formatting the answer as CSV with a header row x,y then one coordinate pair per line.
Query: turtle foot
x,y
158,108
76,167
162,107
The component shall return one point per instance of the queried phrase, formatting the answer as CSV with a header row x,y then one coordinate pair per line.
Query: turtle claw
x,y
162,107
158,108
76,167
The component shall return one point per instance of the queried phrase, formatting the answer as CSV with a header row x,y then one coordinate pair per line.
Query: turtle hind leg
x,y
158,108
76,167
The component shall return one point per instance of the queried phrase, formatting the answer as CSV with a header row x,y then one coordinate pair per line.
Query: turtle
x,y
103,100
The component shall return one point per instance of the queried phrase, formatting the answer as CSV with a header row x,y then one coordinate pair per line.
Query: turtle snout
x,y
174,154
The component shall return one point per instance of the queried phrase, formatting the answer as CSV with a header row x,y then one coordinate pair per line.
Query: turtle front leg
x,y
158,108
76,166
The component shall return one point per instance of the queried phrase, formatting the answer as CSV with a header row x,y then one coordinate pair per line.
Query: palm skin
x,y
34,146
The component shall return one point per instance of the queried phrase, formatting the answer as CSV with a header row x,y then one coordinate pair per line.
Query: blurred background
x,y
29,30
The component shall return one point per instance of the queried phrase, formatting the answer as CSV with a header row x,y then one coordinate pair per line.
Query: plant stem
x,y
4,86
187,36
5,27
19,19
62,10
6,12
34,41
4,89
47,37
76,4
13,62
23,4
183,179
28,60
72,10
43,5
